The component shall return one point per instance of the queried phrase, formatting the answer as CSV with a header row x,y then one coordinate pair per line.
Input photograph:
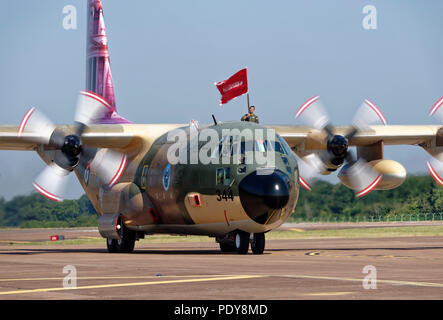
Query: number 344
x,y
226,194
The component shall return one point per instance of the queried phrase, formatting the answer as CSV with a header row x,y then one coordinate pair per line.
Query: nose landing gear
x,y
242,242
238,241
258,243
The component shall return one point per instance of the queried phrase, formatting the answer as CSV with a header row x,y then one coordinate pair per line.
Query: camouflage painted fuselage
x,y
156,196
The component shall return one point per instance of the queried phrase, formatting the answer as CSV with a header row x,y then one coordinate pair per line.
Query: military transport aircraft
x,y
127,172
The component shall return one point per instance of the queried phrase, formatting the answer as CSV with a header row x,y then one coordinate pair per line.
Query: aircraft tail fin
x,y
98,67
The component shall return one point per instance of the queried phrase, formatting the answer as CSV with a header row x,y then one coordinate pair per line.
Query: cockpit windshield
x,y
229,146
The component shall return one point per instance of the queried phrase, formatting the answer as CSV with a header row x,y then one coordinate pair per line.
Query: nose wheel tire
x,y
258,243
242,242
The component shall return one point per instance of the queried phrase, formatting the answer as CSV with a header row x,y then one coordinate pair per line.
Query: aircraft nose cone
x,y
261,195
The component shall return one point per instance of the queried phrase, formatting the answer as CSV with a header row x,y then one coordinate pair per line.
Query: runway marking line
x,y
133,284
112,277
212,278
296,229
327,294
397,282
322,253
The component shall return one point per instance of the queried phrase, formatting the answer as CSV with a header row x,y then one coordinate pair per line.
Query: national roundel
x,y
166,177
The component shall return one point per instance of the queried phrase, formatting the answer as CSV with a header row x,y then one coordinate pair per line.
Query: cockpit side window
x,y
278,147
286,147
269,145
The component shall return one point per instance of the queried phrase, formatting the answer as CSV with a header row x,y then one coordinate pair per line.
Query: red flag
x,y
233,87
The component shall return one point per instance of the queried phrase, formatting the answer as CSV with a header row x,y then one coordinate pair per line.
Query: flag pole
x,y
247,93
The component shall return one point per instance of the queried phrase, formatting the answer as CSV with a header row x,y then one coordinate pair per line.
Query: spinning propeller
x,y
69,148
331,150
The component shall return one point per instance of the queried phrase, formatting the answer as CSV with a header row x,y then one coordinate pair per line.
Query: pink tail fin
x,y
98,67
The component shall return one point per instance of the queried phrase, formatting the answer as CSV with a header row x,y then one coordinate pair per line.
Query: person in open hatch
x,y
251,116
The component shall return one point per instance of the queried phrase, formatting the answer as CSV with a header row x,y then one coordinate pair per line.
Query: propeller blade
x,y
313,114
351,133
368,114
80,128
435,168
435,165
350,157
329,130
109,166
362,177
436,110
90,108
52,182
310,167
36,123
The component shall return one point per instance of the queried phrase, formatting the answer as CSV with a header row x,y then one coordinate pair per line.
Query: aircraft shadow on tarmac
x,y
355,249
31,251
104,251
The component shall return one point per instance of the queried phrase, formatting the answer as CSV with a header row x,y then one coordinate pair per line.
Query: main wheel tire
x,y
258,243
242,242
112,245
126,242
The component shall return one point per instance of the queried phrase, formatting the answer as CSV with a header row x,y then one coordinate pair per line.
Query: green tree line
x,y
36,211
417,195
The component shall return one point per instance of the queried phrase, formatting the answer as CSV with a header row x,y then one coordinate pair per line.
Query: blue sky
x,y
166,56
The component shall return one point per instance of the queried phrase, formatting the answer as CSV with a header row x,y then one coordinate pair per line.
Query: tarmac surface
x,y
404,268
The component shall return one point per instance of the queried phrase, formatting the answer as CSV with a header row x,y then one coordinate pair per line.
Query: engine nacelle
x,y
109,226
129,201
393,174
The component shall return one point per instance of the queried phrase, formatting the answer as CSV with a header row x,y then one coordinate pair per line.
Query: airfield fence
x,y
433,216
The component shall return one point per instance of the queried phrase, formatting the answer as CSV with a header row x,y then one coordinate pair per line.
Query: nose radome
x,y
261,195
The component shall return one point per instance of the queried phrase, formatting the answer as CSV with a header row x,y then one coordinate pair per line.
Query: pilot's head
x,y
251,109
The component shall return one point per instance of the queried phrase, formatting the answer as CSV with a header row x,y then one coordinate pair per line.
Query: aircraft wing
x,y
298,137
10,140
325,149
96,136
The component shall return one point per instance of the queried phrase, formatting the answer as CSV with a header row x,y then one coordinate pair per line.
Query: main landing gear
x,y
126,242
238,241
